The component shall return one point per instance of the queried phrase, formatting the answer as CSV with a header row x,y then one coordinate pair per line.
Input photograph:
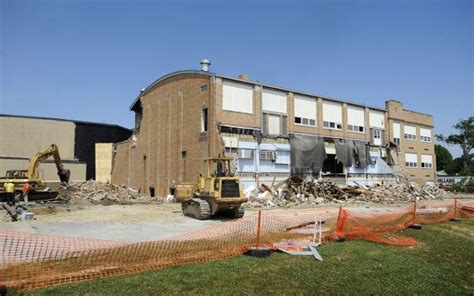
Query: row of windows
x,y
410,136
409,164
305,121
426,165
425,139
355,128
331,124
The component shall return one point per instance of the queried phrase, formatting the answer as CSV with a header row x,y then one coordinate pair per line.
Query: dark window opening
x,y
183,154
152,191
331,165
298,120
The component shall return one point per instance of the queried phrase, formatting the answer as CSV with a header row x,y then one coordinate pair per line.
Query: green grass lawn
x,y
442,263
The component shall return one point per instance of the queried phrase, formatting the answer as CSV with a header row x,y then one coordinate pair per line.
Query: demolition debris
x,y
295,191
98,192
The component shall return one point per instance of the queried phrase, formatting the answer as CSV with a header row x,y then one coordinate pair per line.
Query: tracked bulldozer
x,y
217,191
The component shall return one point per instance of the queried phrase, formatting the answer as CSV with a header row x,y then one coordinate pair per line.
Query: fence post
x,y
413,224
258,227
455,218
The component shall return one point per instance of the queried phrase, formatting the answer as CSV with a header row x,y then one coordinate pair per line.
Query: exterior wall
x,y
24,137
169,146
396,113
103,161
46,170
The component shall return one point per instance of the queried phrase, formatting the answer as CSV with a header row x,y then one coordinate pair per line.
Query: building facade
x,y
187,116
24,136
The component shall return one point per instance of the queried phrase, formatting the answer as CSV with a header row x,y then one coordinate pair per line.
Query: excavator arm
x,y
52,150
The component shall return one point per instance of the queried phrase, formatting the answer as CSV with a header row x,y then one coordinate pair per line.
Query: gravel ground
x,y
136,222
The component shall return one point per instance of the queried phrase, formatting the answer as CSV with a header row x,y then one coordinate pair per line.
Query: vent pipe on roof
x,y
205,64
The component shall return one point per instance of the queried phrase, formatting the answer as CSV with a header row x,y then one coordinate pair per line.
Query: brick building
x,y
186,116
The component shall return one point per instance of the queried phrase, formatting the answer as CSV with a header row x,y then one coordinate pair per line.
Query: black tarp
x,y
361,154
345,151
307,155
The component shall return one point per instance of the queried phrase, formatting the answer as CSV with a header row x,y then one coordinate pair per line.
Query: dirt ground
x,y
133,222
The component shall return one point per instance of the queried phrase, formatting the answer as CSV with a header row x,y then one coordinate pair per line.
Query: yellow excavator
x,y
219,191
30,176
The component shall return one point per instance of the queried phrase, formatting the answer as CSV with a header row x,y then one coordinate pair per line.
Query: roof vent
x,y
244,77
205,64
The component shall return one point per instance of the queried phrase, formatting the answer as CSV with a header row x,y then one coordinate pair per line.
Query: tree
x,y
455,167
464,139
443,157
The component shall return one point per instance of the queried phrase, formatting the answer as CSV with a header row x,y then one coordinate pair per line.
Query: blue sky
x,y
88,60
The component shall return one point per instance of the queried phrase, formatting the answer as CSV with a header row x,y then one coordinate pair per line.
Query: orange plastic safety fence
x,y
30,260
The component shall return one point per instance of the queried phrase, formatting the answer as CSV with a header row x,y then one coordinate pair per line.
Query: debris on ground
x,y
100,192
296,191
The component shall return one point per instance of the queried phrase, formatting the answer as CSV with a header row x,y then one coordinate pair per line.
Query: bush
x,y
466,185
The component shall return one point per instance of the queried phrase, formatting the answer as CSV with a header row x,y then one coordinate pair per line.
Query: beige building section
x,y
47,171
24,137
103,161
396,113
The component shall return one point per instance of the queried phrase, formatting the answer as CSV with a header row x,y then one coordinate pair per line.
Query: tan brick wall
x,y
171,124
396,113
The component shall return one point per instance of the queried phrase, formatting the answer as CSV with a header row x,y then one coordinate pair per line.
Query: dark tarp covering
x,y
345,151
362,154
307,155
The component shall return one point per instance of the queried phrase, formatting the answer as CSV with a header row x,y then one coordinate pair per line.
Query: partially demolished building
x,y
271,131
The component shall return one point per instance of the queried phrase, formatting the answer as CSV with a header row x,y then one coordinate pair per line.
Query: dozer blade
x,y
196,208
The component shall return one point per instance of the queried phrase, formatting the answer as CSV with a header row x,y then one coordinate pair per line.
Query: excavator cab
x,y
218,191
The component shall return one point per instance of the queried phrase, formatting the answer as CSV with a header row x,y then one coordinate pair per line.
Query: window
x,y
396,141
237,97
246,153
204,88
204,120
267,155
355,119
274,101
332,115
409,132
377,119
305,111
396,133
411,160
426,161
275,124
377,134
425,135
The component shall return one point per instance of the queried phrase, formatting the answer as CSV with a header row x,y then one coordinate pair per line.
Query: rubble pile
x,y
103,192
295,191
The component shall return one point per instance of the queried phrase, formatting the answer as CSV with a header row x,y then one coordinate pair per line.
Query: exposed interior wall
x,y
103,162
24,137
88,134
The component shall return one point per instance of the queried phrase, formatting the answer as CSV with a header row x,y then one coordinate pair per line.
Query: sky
x,y
87,60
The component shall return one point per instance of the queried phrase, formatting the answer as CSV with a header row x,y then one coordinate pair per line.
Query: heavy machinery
x,y
30,177
218,191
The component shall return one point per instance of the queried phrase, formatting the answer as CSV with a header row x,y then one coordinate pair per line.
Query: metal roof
x,y
133,105
62,119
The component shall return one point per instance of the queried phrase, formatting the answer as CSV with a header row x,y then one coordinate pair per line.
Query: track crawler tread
x,y
196,208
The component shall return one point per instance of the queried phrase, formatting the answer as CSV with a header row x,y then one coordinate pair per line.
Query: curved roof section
x,y
133,105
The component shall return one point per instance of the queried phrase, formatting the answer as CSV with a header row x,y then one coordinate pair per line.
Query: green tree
x,y
464,139
443,157
455,167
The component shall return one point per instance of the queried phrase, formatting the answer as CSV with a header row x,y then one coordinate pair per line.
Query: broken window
x,y
332,166
275,124
204,114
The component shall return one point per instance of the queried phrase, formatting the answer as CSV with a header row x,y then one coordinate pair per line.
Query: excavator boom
x,y
52,150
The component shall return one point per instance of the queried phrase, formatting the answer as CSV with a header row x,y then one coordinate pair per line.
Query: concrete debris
x,y
296,191
100,192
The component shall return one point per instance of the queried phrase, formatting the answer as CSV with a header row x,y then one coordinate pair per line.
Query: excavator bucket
x,y
64,176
